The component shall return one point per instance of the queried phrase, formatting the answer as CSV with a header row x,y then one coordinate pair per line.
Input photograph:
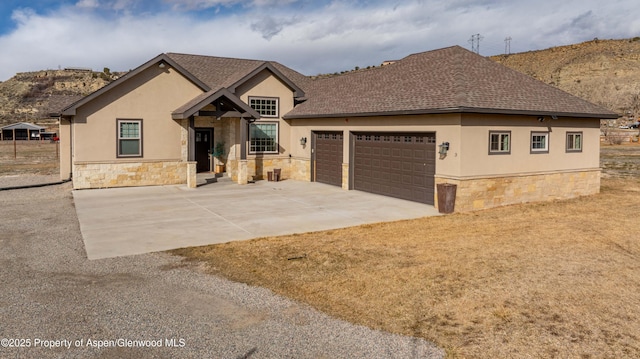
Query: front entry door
x,y
204,140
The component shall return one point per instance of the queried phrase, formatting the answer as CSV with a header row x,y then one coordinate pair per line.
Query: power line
x,y
475,43
507,45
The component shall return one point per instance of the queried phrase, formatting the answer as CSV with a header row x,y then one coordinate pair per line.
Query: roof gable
x,y
156,61
231,72
199,102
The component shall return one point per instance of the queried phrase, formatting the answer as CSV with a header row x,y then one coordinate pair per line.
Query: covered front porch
x,y
215,135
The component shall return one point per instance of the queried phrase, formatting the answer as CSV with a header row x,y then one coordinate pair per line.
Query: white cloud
x,y
88,4
312,38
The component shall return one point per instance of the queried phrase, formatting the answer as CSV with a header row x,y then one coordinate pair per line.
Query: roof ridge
x,y
215,57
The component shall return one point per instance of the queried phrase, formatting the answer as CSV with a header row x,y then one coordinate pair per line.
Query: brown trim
x,y
455,110
572,150
297,91
538,133
277,151
118,120
492,153
249,98
71,109
202,100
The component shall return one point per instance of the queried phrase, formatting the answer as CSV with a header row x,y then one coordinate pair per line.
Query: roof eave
x,y
610,115
71,109
297,91
247,111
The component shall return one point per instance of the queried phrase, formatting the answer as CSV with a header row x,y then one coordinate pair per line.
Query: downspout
x,y
71,148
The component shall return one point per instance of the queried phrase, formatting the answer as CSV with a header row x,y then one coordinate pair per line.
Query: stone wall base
x,y
481,193
128,174
257,168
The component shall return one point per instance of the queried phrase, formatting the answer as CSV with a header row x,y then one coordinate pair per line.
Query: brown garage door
x,y
328,157
399,165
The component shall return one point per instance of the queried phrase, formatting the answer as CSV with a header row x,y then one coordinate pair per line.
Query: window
x,y
263,138
265,106
574,141
499,143
539,142
129,138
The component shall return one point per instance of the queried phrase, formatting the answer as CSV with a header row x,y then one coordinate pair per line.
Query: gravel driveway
x,y
57,304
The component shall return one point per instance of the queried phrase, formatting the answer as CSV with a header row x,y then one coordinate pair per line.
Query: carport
x,y
135,220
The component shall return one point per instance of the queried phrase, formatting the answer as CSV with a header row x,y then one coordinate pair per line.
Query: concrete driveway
x,y
135,220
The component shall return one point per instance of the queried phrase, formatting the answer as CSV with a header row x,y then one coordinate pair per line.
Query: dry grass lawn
x,y
556,279
31,157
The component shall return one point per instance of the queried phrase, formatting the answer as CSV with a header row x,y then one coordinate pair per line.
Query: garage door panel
x,y
400,165
328,157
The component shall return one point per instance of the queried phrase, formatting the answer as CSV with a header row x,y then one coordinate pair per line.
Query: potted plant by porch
x,y
218,153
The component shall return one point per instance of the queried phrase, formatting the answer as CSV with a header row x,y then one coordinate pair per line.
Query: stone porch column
x,y
191,174
242,172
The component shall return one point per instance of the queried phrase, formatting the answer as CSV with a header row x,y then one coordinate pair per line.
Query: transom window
x,y
129,138
574,141
265,106
263,138
539,142
499,142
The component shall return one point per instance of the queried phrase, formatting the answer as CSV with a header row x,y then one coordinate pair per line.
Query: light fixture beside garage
x,y
444,147
303,141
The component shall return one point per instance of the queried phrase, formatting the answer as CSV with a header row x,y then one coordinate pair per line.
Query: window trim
x,y
118,138
277,144
573,149
277,99
546,142
500,152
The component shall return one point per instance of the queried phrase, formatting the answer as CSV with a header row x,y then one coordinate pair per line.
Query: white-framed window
x,y
539,142
129,138
574,141
263,137
499,142
265,106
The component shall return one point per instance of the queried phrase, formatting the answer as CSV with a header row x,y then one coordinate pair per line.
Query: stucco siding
x,y
265,84
476,160
150,96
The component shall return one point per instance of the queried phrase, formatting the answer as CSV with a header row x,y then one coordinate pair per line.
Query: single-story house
x,y
442,116
21,131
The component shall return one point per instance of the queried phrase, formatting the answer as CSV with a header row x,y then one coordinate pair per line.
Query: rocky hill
x,y
605,72
32,96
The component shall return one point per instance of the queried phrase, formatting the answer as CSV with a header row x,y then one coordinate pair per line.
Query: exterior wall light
x,y
162,65
444,147
303,141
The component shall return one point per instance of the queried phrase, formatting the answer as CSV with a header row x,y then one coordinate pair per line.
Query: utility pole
x,y
475,43
507,45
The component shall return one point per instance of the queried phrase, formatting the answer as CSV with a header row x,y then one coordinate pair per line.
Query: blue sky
x,y
309,36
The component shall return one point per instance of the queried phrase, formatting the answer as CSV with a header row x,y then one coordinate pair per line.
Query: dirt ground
x,y
29,157
544,280
554,279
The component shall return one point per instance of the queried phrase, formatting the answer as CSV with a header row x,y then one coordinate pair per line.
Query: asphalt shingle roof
x,y
224,72
447,80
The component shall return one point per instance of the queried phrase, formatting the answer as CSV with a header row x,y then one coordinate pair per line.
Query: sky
x,y
311,37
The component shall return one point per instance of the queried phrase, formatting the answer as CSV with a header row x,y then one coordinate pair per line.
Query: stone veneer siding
x,y
481,193
125,174
257,168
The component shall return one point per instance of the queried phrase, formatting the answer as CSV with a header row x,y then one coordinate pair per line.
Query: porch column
x,y
243,138
192,139
242,164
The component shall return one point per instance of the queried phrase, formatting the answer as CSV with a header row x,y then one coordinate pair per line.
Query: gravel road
x,y
55,303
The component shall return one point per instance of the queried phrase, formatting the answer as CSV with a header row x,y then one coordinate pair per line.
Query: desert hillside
x,y
605,72
32,96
